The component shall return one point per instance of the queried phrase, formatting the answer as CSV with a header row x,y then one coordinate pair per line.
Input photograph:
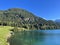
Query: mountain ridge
x,y
22,18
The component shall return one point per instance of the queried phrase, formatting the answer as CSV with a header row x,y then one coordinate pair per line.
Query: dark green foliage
x,y
21,18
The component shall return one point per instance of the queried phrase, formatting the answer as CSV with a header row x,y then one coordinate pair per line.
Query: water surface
x,y
37,37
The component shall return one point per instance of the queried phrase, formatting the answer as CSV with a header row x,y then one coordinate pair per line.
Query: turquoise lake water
x,y
37,37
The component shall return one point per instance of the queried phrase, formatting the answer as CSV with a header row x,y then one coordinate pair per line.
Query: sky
x,y
47,9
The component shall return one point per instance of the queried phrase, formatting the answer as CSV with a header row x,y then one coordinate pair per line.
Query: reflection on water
x,y
36,38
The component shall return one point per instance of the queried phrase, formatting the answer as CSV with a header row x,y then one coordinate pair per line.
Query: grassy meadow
x,y
4,32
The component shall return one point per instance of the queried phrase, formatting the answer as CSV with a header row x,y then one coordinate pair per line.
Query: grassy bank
x,y
4,31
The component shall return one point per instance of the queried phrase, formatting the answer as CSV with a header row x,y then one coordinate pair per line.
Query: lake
x,y
37,37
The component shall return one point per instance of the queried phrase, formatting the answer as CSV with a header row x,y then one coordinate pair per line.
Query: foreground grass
x,y
4,31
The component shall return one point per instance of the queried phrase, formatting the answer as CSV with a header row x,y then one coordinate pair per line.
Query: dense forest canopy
x,y
21,18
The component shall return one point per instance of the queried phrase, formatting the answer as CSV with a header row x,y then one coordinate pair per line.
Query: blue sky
x,y
48,9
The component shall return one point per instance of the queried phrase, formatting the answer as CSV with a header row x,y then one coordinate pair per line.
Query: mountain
x,y
57,21
23,19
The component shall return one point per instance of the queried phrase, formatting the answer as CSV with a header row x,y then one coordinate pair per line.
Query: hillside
x,y
57,21
16,17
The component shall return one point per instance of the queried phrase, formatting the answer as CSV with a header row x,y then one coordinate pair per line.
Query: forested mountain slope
x,y
24,19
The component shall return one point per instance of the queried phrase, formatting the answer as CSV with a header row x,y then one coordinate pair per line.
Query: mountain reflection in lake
x,y
48,37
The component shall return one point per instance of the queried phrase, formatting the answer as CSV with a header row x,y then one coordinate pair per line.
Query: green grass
x,y
4,31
